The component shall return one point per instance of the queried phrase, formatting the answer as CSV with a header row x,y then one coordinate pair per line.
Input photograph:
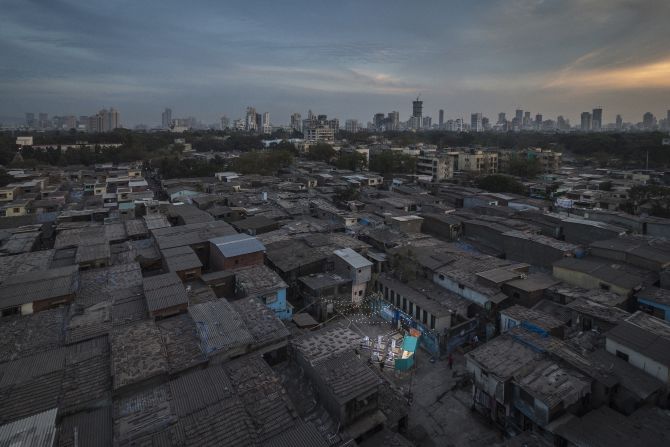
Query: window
x,y
425,317
461,286
432,321
360,293
418,312
604,286
441,277
404,304
622,355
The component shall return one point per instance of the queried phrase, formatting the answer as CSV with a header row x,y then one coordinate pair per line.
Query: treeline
x,y
604,149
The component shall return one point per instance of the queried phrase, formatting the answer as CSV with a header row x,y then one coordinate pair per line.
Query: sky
x,y
346,59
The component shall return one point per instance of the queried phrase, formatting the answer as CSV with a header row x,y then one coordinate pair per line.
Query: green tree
x,y
524,167
501,183
353,161
321,152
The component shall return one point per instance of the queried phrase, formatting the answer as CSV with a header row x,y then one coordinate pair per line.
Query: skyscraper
x,y
393,119
378,120
519,116
417,112
648,121
427,122
502,118
250,120
538,121
597,119
166,118
476,122
440,120
296,122
30,119
351,126
43,121
619,122
225,122
586,121
526,119
267,126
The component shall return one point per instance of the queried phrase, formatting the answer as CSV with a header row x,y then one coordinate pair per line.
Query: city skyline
x,y
348,62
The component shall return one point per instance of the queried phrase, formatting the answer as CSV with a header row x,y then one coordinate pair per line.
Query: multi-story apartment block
x,y
478,161
438,166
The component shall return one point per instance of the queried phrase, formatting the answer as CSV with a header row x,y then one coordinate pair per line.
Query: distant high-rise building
x,y
351,126
225,122
619,122
250,120
440,119
562,123
43,121
379,121
648,121
526,119
267,126
296,122
519,116
417,112
393,119
427,122
486,123
476,122
166,118
502,118
597,119
586,121
30,120
538,121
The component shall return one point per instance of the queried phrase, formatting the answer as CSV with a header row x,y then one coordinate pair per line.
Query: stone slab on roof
x,y
261,321
320,345
220,327
24,335
181,342
347,377
137,354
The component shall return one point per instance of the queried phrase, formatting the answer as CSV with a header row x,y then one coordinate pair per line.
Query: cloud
x,y
351,80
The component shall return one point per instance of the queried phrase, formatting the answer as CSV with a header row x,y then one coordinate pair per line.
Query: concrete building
x,y
478,161
438,167
355,267
476,122
586,121
644,342
236,251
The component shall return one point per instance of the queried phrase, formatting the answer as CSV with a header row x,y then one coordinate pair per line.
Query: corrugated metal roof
x,y
237,245
92,252
347,376
36,286
352,258
164,291
219,326
90,429
302,435
200,389
38,430
181,258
